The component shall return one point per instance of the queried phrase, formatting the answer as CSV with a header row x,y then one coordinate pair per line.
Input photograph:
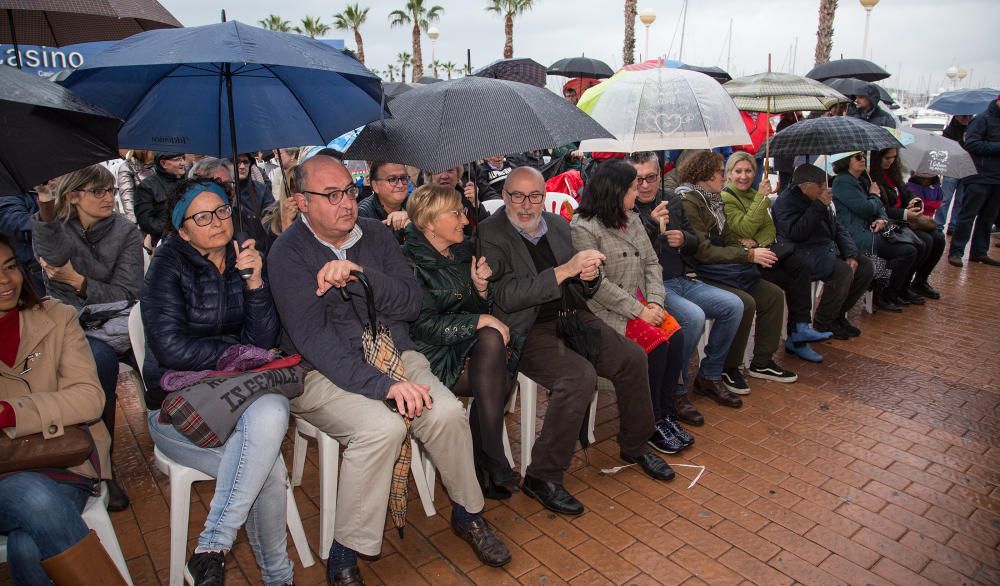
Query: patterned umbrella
x,y
853,87
526,71
380,351
932,154
651,64
581,67
781,92
862,69
830,134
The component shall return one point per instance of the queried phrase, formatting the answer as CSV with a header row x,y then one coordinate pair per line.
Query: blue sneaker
x,y
802,350
805,333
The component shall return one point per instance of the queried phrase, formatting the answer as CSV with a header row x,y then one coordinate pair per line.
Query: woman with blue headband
x,y
195,305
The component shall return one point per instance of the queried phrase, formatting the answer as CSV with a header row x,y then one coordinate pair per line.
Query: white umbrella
x,y
662,109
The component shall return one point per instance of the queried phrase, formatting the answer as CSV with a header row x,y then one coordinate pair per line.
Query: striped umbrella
x,y
775,93
523,70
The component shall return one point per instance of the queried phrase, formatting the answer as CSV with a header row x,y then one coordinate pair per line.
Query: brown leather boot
x,y
715,390
83,564
687,412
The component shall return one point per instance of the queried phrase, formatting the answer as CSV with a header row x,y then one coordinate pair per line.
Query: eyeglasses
x,y
651,178
456,213
223,212
518,197
395,179
242,162
336,195
100,192
858,157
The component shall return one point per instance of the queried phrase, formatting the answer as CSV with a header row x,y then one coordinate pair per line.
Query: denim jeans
x,y
107,373
41,518
250,483
691,302
954,193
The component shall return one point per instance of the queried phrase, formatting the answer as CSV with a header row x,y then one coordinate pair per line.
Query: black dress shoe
x,y
835,328
887,304
924,288
714,390
910,296
847,327
687,412
553,497
488,547
652,465
117,499
986,260
347,577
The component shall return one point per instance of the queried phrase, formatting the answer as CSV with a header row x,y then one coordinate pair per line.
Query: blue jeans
x,y
41,518
107,373
954,193
691,302
250,483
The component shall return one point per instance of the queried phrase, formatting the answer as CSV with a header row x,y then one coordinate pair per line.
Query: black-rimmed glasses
x,y
223,212
395,180
100,192
651,178
519,197
336,195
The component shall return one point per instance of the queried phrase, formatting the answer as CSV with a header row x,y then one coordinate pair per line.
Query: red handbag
x,y
646,334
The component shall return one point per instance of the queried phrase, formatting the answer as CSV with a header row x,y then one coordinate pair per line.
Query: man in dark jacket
x,y
151,195
690,301
951,187
345,396
982,190
254,187
537,273
866,108
803,216
15,223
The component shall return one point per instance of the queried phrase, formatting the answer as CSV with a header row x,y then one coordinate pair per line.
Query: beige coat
x,y
61,387
631,264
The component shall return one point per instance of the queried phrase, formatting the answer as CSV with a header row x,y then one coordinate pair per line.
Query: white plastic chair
x,y
492,205
555,200
182,477
529,402
95,515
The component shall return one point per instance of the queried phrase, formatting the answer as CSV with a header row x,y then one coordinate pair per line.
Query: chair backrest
x,y
492,205
137,335
555,200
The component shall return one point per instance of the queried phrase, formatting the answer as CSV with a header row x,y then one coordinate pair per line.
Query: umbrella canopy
x,y
523,70
175,89
862,69
855,87
660,109
428,79
580,67
447,124
964,102
830,134
652,64
933,154
781,92
47,130
394,88
717,73
56,23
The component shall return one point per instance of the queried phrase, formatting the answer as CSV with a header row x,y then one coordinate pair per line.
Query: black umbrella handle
x,y
369,296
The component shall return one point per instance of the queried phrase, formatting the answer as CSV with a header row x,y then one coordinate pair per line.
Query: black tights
x,y
665,363
485,379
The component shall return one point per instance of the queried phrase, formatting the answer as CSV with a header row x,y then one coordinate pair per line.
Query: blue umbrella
x,y
964,102
175,89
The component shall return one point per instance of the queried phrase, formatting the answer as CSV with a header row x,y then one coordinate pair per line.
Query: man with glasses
x,y
150,200
537,274
345,396
390,188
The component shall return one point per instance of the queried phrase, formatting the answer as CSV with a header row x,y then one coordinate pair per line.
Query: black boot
x,y
117,499
491,489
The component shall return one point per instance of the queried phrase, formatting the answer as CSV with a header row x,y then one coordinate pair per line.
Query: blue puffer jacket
x,y
192,313
982,140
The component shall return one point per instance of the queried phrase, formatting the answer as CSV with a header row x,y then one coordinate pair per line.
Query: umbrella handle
x,y
369,296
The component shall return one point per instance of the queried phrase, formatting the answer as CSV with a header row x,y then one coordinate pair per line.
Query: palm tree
x,y
391,71
450,68
351,19
273,22
312,27
404,60
435,64
628,49
824,33
420,17
509,9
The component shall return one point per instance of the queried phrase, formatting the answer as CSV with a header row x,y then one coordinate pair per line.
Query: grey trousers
x,y
372,435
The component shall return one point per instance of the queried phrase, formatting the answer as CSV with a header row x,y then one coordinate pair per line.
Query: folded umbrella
x,y
580,67
443,125
47,131
523,70
933,154
862,69
964,102
830,134
781,92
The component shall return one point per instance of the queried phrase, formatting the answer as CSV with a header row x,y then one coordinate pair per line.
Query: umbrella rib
x,y
297,100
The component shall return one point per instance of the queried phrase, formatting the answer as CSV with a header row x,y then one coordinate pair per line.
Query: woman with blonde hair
x,y
90,255
280,216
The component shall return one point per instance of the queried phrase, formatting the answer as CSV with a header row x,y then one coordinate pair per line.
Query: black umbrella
x,y
830,134
716,73
428,79
56,23
47,131
443,125
862,69
580,67
850,86
523,70
394,88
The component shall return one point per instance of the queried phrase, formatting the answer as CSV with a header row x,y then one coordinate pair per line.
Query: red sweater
x,y
10,339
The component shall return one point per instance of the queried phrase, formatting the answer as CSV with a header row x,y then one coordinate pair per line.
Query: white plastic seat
x,y
554,201
529,402
182,477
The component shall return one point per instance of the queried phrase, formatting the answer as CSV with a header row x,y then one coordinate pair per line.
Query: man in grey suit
x,y
537,273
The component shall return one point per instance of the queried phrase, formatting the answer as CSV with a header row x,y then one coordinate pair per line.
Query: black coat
x,y
150,202
982,140
192,313
955,131
676,262
819,239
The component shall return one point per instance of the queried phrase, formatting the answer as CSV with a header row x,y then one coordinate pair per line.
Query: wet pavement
x,y
880,466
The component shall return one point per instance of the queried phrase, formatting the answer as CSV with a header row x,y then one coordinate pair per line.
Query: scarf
x,y
714,201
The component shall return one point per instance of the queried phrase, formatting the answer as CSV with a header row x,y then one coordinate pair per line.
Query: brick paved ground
x,y
882,465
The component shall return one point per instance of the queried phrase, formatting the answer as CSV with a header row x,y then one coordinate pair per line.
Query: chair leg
x,y
297,530
529,398
180,508
506,446
95,515
329,473
424,476
593,420
298,455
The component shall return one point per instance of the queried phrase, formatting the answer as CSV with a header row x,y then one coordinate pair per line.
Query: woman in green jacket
x,y
465,345
749,224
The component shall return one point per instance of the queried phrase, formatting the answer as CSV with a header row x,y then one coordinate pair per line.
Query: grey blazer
x,y
519,289
631,264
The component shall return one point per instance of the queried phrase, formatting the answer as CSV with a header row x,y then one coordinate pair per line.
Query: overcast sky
x,y
916,40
